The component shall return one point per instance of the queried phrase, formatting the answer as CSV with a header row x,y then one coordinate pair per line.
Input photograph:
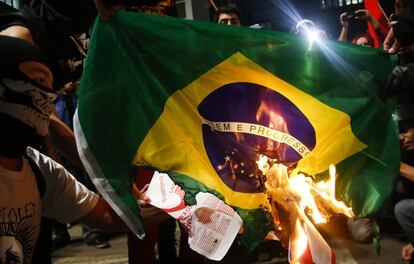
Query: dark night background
x,y
324,13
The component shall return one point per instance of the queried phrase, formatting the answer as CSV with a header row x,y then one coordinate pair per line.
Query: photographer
x,y
361,39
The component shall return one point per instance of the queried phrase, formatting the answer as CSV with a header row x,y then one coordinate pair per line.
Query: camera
x,y
355,15
351,15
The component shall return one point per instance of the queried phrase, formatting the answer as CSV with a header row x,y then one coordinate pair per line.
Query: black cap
x,y
14,51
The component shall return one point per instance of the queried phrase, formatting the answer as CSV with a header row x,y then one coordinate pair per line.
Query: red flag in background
x,y
374,7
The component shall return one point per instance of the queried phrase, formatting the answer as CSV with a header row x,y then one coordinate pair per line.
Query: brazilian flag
x,y
202,101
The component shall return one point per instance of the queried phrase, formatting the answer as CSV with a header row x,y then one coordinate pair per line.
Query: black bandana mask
x,y
25,105
15,136
21,97
27,102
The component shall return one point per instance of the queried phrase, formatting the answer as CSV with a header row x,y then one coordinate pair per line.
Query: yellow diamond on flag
x,y
213,129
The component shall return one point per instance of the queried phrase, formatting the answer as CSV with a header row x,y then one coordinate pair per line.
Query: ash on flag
x,y
167,102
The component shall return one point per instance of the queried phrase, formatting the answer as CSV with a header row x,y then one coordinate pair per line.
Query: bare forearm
x,y
407,171
344,34
104,217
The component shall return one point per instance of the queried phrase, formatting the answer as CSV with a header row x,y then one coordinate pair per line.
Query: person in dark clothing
x,y
57,27
400,38
404,209
403,86
26,101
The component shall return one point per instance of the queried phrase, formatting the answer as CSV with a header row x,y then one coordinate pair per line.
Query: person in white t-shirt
x,y
26,100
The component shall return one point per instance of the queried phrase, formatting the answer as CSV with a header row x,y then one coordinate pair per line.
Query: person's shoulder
x,y
45,163
33,153
52,172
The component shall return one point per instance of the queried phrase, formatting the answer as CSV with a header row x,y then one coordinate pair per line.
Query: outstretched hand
x,y
343,18
152,215
142,199
391,44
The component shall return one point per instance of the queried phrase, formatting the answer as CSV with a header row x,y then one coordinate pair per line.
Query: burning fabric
x,y
291,201
212,225
202,102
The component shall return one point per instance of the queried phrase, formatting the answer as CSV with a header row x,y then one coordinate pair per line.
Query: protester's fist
x,y
343,18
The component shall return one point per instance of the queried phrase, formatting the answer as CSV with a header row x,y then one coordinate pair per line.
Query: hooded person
x,y
26,96
61,30
26,99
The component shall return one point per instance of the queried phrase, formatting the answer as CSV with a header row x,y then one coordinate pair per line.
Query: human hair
x,y
363,35
230,8
404,125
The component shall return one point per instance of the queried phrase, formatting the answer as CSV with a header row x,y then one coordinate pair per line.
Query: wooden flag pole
x,y
214,5
385,15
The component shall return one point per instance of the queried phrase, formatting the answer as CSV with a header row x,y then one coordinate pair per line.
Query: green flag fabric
x,y
202,101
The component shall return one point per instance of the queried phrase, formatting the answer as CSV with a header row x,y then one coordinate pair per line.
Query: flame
x,y
276,122
302,187
298,242
262,164
295,198
327,191
316,199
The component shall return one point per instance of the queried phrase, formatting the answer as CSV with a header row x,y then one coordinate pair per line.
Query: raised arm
x,y
343,18
103,217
